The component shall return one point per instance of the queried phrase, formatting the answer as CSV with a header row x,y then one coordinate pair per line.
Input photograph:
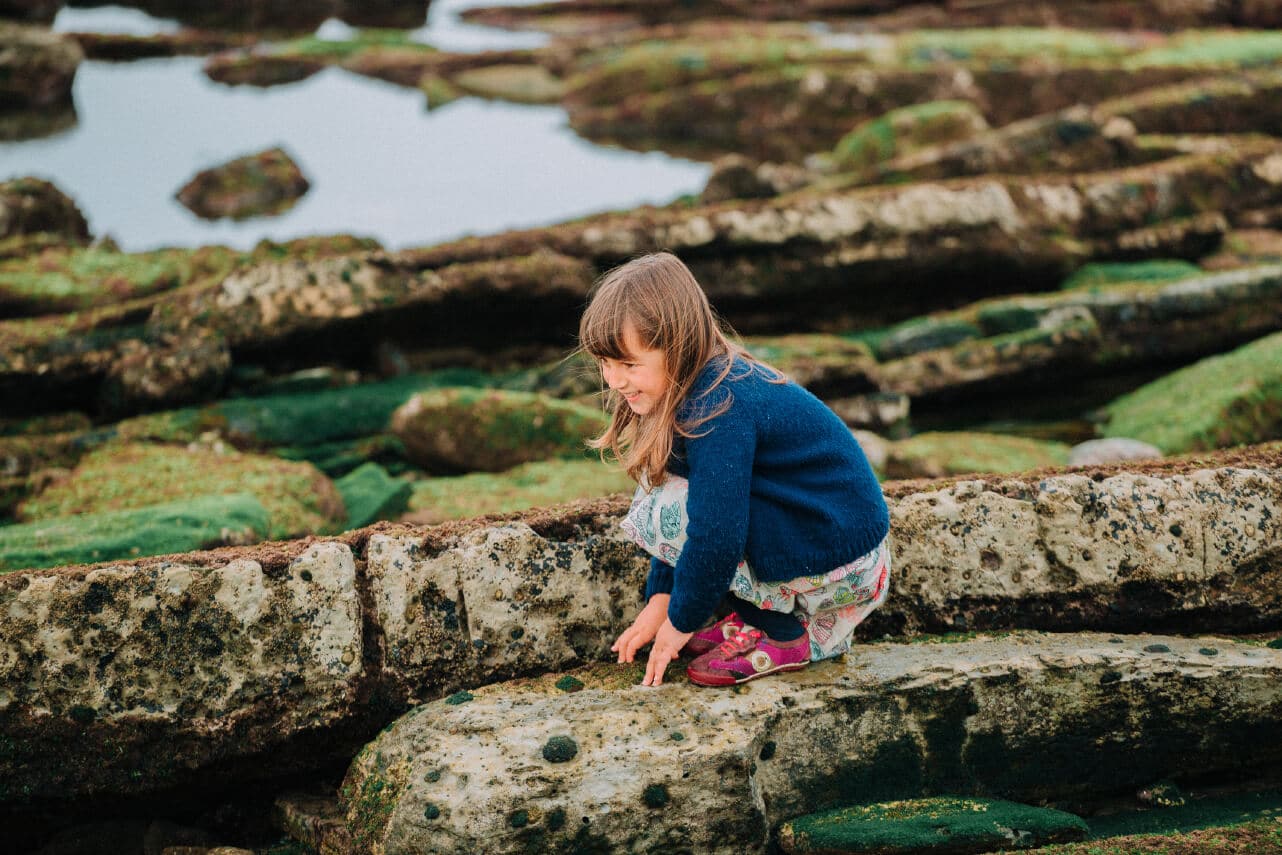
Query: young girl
x,y
750,489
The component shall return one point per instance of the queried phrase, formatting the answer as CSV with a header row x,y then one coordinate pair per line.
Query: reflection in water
x,y
379,164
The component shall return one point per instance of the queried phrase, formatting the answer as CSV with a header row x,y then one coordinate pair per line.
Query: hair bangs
x,y
601,327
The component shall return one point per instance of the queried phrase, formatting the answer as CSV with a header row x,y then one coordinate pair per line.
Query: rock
x,y
875,448
939,453
964,551
30,206
825,364
905,130
595,16
1247,248
369,495
269,637
181,652
42,11
118,47
1084,332
199,523
463,430
262,184
538,484
1004,715
938,824
1220,401
66,279
299,500
881,412
37,66
1097,451
525,84
438,91
308,819
499,600
736,177
1157,271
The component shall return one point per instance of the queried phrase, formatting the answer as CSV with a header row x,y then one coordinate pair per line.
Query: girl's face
x,y
641,376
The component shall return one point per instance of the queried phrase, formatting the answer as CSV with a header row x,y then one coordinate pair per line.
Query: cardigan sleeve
x,y
719,459
660,579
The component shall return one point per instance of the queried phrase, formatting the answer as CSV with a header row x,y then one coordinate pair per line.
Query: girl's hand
x,y
643,629
667,645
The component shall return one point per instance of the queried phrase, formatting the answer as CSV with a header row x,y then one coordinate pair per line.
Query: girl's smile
x,y
640,376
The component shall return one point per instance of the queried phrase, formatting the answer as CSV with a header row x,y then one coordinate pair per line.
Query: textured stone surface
x,y
29,206
125,678
142,676
500,601
1024,717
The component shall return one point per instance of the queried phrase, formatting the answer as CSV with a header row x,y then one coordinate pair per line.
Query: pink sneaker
x,y
709,637
748,655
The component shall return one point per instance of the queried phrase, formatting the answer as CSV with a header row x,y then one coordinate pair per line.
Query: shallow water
x,y
379,163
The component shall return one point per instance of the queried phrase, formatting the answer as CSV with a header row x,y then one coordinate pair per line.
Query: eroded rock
x,y
1008,716
185,667
29,206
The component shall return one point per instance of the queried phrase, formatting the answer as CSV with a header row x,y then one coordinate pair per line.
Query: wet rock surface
x,y
1008,716
293,641
256,185
37,66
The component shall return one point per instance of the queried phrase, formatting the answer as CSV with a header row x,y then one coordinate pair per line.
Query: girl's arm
x,y
720,462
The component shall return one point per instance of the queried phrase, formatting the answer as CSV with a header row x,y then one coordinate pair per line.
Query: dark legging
x,y
777,625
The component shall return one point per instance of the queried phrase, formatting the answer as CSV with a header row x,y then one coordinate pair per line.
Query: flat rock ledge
x,y
237,664
1028,717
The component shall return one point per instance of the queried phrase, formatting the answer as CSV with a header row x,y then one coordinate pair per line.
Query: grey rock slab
x,y
1196,549
499,601
121,678
1026,717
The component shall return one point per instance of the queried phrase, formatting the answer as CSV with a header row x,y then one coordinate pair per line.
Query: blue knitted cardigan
x,y
777,478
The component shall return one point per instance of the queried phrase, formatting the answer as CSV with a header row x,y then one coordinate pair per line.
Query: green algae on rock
x,y
941,453
1157,271
177,526
1224,400
256,185
299,499
370,494
945,824
540,483
905,130
469,429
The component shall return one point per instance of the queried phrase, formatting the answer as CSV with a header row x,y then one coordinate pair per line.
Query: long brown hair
x,y
657,296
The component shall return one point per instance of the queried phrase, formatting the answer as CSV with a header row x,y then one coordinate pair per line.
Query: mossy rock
x,y
531,485
262,184
1224,400
438,91
525,84
370,494
65,279
943,824
469,429
296,420
937,454
337,459
1211,49
1156,271
917,335
819,362
181,526
298,498
905,130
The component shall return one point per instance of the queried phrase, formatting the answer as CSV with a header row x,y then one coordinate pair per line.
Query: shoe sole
x,y
713,680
